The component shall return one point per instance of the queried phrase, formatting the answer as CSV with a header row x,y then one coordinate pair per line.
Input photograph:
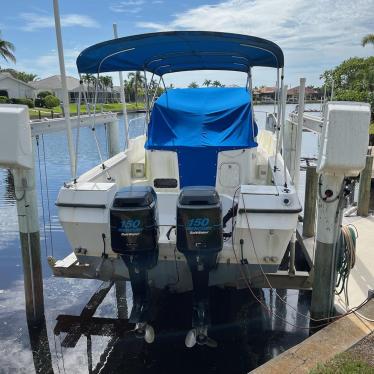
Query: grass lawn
x,y
371,129
344,363
73,109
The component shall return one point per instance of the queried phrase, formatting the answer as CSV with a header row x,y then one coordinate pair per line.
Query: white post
x,y
113,138
328,223
299,136
65,97
123,96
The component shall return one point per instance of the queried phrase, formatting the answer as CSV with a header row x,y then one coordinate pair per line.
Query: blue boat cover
x,y
197,123
173,51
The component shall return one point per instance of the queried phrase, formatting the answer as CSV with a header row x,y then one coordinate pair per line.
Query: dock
x,y
48,125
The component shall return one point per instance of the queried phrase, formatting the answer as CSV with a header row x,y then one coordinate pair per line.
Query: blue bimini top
x,y
197,123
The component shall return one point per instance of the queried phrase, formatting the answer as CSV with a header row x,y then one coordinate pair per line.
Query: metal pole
x,y
365,186
28,222
328,226
123,96
65,97
299,137
310,202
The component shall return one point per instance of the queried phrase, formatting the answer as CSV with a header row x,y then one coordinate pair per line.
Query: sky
x,y
315,35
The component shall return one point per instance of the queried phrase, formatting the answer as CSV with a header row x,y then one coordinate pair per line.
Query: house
x,y
14,88
264,94
311,94
53,84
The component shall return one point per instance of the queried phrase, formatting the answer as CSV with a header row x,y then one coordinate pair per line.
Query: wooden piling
x,y
365,186
28,221
310,203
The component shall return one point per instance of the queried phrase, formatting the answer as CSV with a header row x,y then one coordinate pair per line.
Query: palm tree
x,y
367,39
193,85
207,82
6,50
135,79
88,79
217,84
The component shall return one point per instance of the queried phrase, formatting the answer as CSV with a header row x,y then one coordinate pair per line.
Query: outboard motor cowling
x,y
134,235
199,238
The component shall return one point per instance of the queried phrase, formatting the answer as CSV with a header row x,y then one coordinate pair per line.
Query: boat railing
x,y
137,126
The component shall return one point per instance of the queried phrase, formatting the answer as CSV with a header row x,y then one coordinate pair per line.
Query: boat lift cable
x,y
350,311
48,199
78,128
41,194
93,117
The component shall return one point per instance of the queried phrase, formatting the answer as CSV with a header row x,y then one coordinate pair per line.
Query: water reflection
x,y
247,334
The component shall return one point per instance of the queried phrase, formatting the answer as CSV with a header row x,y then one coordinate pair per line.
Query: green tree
x,y
193,85
6,50
136,80
207,82
51,101
217,84
20,75
353,80
43,94
367,39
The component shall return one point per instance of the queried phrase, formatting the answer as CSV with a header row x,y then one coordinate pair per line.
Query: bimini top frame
x,y
169,52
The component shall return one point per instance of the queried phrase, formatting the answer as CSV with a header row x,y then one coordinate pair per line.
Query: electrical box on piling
x,y
345,138
15,133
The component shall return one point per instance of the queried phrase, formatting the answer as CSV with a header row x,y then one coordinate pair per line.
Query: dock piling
x,y
310,203
365,186
328,227
28,221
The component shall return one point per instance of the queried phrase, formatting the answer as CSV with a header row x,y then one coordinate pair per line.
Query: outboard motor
x,y
199,238
134,235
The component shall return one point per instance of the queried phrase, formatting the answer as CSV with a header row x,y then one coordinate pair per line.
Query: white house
x,y
53,84
14,88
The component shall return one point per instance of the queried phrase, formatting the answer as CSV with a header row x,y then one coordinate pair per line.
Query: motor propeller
x,y
145,331
199,336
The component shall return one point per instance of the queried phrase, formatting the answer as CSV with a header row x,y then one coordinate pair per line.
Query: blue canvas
x,y
197,123
167,52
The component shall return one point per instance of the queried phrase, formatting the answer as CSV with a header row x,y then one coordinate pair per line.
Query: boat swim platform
x,y
48,125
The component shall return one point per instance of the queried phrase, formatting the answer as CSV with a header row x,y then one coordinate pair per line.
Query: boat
x,y
197,198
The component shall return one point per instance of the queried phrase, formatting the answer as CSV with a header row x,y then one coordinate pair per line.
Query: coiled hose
x,y
346,257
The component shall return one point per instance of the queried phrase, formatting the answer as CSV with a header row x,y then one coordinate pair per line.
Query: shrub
x,y
43,94
51,101
4,100
39,102
22,101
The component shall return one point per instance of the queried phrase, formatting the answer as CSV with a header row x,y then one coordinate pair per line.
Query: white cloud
x,y
313,35
129,6
47,64
34,21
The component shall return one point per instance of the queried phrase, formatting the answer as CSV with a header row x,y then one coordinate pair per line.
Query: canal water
x,y
247,335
